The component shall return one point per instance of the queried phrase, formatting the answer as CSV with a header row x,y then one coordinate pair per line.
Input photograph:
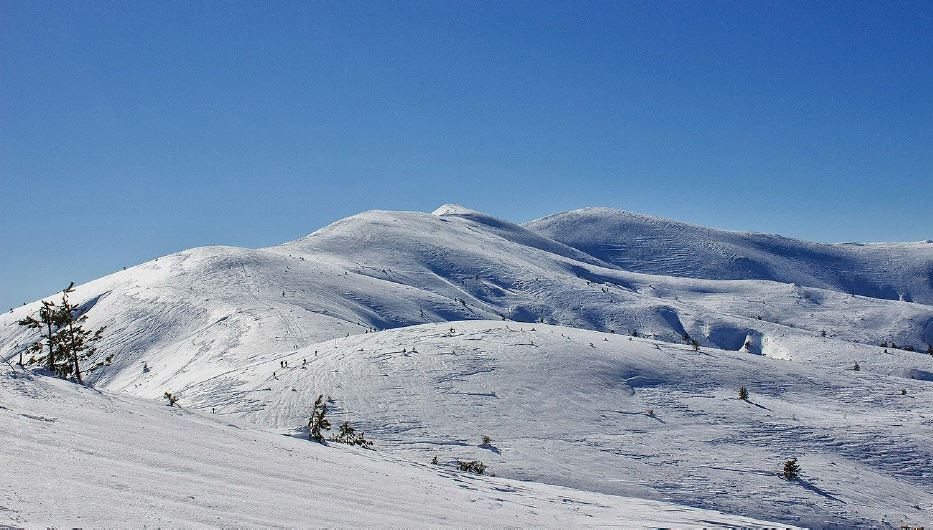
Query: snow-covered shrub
x,y
348,435
791,469
472,466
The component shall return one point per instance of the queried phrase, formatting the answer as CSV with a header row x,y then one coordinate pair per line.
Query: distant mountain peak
x,y
454,209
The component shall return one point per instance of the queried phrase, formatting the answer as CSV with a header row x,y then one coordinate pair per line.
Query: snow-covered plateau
x,y
567,341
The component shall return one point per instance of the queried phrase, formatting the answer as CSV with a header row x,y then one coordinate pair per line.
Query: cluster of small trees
x,y
471,466
318,423
170,399
64,343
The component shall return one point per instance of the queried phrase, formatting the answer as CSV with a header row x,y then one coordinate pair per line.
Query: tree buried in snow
x,y
743,393
318,421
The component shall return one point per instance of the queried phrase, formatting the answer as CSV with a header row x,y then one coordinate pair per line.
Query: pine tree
x,y
696,345
318,420
69,343
77,342
348,435
48,325
743,393
791,469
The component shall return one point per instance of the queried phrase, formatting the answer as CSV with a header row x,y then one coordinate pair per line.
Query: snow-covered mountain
x,y
524,334
221,306
655,245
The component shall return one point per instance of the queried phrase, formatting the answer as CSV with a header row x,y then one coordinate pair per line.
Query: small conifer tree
x,y
472,466
743,393
791,469
696,345
318,421
172,399
348,435
48,324
856,367
77,342
68,341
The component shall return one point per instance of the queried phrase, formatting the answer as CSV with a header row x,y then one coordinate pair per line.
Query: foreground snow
x,y
75,456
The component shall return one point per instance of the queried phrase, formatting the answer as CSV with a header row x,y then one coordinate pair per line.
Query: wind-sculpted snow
x,y
623,415
660,246
565,405
79,458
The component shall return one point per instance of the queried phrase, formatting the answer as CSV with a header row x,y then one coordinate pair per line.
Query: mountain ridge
x,y
656,245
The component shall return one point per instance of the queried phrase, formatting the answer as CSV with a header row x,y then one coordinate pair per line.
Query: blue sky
x,y
134,129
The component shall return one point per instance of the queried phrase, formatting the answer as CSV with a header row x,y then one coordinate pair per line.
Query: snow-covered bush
x,y
348,435
472,466
791,469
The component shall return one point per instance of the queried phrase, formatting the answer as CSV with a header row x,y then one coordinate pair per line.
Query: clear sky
x,y
134,129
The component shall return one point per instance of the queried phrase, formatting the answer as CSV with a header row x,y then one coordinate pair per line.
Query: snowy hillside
x,y
512,332
76,457
216,308
656,245
571,407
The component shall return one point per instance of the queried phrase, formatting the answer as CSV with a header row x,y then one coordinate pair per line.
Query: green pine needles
x,y
791,469
64,343
318,421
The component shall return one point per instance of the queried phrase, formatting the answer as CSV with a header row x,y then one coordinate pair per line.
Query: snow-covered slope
x,y
80,458
571,407
213,324
656,245
213,309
